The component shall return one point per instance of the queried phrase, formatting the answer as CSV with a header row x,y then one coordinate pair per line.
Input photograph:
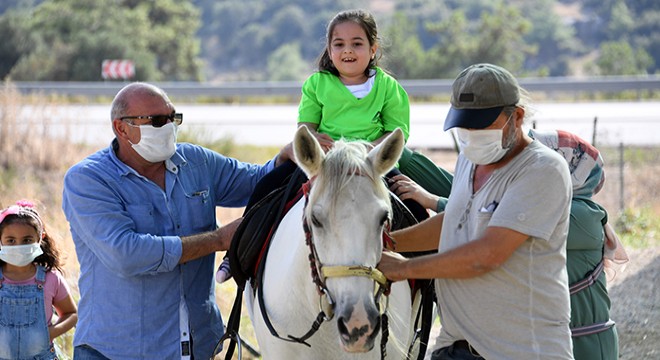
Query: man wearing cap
x,y
500,270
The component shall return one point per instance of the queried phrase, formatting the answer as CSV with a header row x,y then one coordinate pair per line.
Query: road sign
x,y
117,69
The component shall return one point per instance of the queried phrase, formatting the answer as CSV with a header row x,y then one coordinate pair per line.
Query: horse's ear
x,y
308,151
386,154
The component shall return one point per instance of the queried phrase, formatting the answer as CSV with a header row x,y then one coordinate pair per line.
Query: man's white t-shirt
x,y
520,310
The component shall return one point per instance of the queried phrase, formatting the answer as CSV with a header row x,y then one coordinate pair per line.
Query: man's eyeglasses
x,y
158,120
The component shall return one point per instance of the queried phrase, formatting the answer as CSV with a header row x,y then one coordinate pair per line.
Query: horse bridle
x,y
320,273
326,304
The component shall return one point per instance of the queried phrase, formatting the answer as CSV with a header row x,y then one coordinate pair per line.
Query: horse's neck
x,y
287,261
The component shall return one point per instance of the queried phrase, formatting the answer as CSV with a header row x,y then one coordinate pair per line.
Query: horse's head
x,y
348,207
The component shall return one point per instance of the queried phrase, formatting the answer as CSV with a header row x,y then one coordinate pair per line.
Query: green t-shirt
x,y
327,102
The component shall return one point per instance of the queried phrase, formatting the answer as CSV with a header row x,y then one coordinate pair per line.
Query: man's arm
x,y
196,246
424,236
470,260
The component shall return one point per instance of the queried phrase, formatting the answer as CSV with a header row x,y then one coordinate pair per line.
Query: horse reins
x,y
326,302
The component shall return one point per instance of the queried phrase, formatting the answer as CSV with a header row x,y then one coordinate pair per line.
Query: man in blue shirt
x,y
142,217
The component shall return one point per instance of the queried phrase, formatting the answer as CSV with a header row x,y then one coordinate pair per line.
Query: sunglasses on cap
x,y
158,120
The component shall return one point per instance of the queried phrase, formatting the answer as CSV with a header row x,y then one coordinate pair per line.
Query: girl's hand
x,y
405,188
67,313
324,140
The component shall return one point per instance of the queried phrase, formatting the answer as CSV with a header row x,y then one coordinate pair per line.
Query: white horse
x,y
346,211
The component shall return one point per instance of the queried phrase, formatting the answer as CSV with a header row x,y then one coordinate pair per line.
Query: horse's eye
x,y
316,222
384,218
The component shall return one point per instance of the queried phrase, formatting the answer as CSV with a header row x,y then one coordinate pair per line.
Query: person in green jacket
x,y
590,246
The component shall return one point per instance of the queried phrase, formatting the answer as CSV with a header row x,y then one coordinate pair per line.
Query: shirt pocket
x,y
200,209
483,219
19,312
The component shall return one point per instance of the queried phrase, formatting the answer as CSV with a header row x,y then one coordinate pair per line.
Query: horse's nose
x,y
358,329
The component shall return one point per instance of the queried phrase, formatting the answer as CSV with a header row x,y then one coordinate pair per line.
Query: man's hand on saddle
x,y
405,188
286,153
392,265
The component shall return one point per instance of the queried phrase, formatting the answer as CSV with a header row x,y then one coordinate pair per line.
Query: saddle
x,y
249,247
250,241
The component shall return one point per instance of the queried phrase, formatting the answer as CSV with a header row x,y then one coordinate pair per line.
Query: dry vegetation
x,y
33,161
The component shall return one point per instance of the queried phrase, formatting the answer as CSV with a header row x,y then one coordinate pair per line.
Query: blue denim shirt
x,y
127,230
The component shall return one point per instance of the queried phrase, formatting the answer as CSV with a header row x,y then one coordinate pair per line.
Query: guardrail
x,y
549,85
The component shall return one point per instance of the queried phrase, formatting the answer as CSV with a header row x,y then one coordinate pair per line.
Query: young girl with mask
x,y
31,285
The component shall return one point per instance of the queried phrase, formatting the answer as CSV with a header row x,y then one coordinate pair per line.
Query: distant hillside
x,y
280,40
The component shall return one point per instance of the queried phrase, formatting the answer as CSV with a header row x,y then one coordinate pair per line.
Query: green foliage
x,y
433,38
253,39
69,39
403,51
286,64
15,39
638,228
619,58
172,38
496,37
554,44
239,35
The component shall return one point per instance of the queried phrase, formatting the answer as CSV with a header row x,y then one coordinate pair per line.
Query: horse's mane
x,y
342,162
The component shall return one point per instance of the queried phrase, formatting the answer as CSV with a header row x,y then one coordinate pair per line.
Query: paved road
x,y
633,123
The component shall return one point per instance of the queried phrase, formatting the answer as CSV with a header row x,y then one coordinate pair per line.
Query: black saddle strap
x,y
423,320
234,321
260,294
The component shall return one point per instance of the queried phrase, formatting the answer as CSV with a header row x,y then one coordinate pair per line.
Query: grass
x,y
33,163
638,228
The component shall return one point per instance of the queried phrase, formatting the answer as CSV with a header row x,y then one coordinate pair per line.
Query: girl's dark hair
x,y
50,259
360,17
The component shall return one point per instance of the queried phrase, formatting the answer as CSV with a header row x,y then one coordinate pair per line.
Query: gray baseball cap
x,y
479,94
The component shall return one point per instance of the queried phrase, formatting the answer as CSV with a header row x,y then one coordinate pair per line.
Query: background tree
x,y
553,39
401,49
286,64
69,39
619,58
15,39
246,39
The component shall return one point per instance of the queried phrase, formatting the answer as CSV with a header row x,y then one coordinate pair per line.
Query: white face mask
x,y
484,147
20,255
156,144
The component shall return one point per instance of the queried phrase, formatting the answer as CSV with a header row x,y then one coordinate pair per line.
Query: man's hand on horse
x,y
392,265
